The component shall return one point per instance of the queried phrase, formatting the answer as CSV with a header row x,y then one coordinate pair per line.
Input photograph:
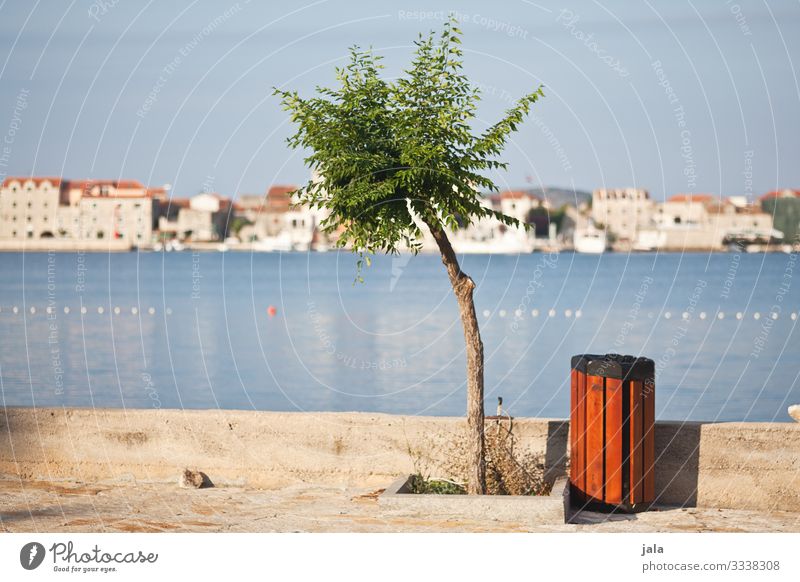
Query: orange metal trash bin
x,y
612,439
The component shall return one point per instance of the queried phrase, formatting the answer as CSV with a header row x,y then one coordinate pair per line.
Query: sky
x,y
673,97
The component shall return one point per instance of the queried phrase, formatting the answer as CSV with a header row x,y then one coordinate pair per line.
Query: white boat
x,y
273,244
508,243
590,240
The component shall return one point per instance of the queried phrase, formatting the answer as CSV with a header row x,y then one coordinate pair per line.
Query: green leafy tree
x,y
237,223
394,157
785,216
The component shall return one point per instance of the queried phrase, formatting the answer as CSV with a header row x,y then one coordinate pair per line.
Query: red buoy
x,y
271,311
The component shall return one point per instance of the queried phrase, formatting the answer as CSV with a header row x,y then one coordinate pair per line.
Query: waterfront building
x,y
126,211
108,209
29,207
204,219
250,206
623,212
704,221
684,210
518,204
43,207
271,220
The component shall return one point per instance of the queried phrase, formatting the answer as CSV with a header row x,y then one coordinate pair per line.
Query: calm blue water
x,y
393,344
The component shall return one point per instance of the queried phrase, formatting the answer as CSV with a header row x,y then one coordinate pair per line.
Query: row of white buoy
x,y
569,313
518,313
85,310
738,315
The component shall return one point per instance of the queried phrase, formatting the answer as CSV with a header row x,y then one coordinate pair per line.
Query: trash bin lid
x,y
614,366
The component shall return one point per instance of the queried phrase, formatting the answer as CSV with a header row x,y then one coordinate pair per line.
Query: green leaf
x,y
393,154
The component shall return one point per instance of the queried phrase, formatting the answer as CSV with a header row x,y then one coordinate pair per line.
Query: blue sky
x,y
668,96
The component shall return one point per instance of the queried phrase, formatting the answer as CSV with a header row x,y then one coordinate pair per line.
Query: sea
x,y
300,332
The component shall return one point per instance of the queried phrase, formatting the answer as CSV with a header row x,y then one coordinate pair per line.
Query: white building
x,y
281,222
623,211
29,208
267,212
35,208
703,221
201,218
108,209
129,219
487,235
684,210
518,204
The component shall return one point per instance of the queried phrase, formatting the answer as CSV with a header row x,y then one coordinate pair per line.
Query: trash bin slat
x,y
613,441
595,391
637,485
573,434
582,431
649,395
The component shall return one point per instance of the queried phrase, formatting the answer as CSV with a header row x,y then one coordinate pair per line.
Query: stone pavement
x,y
159,507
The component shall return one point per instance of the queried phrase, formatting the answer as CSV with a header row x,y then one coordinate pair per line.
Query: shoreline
x,y
247,248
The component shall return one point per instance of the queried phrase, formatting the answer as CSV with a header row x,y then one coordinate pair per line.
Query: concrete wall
x,y
703,237
736,465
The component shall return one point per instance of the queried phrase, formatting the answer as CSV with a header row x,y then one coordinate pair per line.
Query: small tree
x,y
391,156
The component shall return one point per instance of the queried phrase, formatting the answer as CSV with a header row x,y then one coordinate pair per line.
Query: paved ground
x,y
72,507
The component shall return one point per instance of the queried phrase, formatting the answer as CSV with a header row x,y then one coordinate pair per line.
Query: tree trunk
x,y
463,287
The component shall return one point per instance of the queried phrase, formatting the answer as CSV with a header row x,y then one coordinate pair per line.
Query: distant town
x,y
56,214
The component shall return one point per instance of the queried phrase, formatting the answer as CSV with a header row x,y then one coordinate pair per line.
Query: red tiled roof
x,y
122,188
280,190
279,198
692,198
785,193
118,184
37,180
156,192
